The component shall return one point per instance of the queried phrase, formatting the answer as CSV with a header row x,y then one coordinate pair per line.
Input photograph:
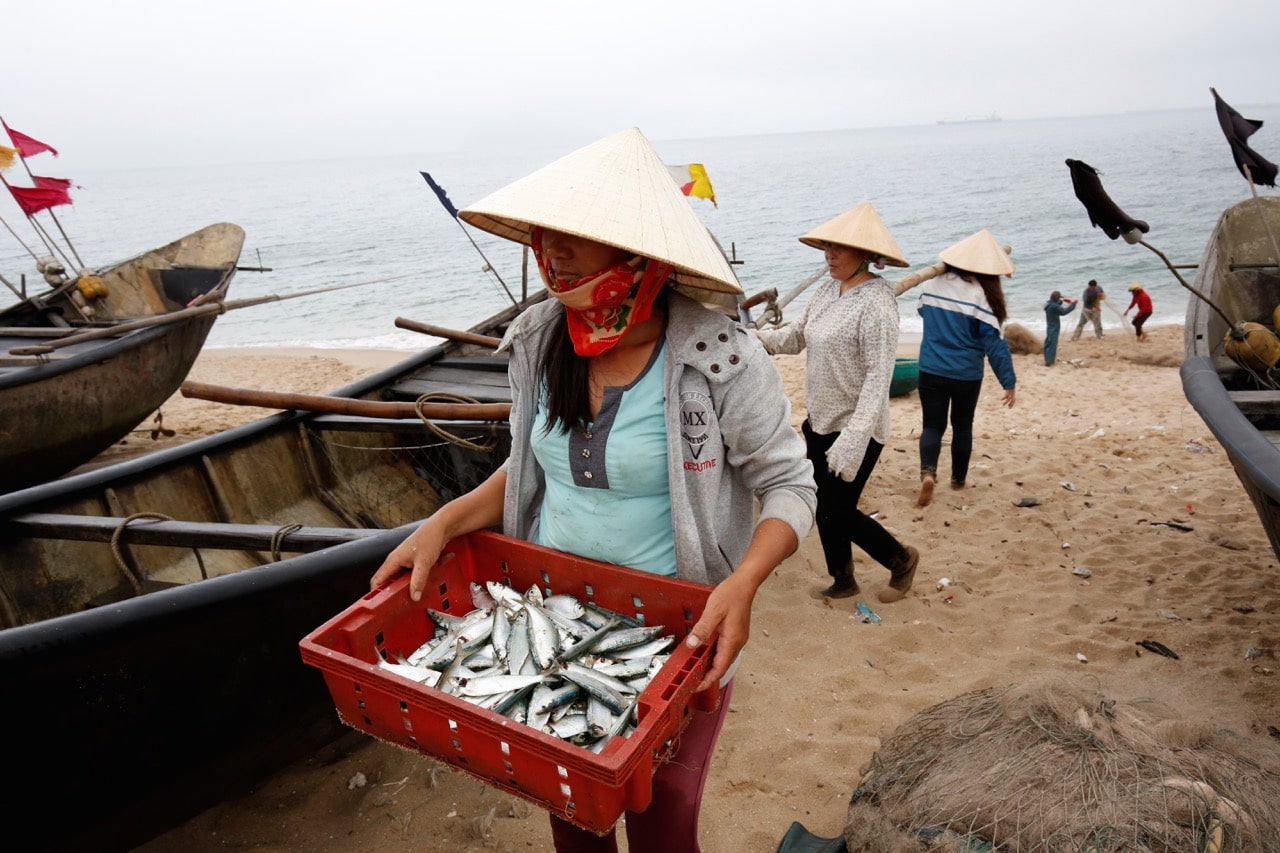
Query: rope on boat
x,y
116,551
277,539
447,396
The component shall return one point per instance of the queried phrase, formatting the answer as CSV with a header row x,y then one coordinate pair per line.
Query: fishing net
x,y
1058,767
393,478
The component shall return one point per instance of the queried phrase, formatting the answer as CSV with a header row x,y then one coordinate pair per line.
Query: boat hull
x,y
60,408
66,415
156,662
1238,273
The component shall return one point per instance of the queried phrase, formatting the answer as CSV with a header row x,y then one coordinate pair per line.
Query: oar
x,y
346,405
184,314
448,334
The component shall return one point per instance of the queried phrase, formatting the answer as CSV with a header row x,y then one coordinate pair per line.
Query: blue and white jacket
x,y
960,329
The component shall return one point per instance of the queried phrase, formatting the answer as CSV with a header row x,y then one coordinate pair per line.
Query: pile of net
x,y
1062,767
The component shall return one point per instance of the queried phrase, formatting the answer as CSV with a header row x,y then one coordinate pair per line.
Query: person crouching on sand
x,y
849,332
1054,310
964,313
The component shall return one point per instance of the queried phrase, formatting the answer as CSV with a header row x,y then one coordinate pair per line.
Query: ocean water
x,y
375,222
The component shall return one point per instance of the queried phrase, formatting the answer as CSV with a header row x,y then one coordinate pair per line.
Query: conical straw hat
x,y
980,253
860,228
615,191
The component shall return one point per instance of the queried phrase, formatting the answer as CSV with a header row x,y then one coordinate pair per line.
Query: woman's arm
x,y
728,610
476,510
877,348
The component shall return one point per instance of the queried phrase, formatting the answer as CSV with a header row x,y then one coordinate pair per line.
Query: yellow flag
x,y
6,156
693,180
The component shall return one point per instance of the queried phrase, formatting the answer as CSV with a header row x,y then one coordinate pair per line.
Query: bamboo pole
x,y
346,405
195,310
49,245
448,334
111,331
21,242
52,215
904,284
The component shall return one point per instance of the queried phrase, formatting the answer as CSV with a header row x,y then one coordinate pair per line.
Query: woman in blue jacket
x,y
964,313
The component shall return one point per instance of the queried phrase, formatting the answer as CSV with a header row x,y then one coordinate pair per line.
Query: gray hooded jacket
x,y
729,437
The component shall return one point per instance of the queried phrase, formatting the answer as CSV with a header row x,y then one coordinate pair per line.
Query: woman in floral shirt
x,y
849,331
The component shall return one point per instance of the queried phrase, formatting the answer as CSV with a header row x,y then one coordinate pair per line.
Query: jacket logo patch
x,y
695,419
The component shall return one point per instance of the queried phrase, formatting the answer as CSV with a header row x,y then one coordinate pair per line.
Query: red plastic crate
x,y
588,789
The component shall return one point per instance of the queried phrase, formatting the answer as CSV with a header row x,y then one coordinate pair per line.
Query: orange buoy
x,y
1252,345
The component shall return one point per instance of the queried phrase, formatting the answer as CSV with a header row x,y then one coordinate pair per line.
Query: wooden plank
x,y
412,389
448,374
180,534
1256,402
355,423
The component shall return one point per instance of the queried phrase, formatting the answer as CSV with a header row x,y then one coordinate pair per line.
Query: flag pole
x,y
16,292
1262,211
21,242
40,232
32,176
443,198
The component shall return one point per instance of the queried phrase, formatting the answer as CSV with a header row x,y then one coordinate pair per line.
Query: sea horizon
x,y
328,223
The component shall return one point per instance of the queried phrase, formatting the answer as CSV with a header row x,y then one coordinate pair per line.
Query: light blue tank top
x,y
608,496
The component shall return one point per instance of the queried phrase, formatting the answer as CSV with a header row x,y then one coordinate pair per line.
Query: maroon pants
x,y
670,823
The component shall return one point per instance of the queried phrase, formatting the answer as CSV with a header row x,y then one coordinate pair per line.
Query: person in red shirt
x,y
1143,303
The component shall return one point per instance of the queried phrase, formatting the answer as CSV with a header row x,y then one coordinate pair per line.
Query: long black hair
x,y
565,375
990,285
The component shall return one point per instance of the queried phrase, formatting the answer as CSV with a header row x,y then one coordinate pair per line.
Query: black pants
x,y
839,520
938,395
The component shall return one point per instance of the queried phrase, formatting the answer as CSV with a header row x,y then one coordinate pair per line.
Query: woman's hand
x,y
418,552
727,617
1009,397
479,508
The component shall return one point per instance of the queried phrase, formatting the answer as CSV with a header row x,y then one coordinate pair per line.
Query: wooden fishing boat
x,y
1239,273
152,609
86,362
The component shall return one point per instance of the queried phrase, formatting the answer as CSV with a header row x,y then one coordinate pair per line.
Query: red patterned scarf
x,y
601,307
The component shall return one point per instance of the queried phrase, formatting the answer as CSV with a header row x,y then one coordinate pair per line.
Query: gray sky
x,y
134,83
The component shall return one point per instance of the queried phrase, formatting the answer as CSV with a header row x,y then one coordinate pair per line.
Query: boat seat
x,y
482,378
1256,402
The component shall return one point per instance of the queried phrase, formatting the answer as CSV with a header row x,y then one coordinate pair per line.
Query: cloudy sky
x,y
134,83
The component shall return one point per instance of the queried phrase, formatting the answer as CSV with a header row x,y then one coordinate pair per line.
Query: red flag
x,y
32,200
52,183
26,145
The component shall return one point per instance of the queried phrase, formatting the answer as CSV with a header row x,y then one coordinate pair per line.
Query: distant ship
x,y
970,120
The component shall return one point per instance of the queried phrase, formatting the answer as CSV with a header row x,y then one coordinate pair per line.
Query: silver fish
x,y
544,637
488,685
565,605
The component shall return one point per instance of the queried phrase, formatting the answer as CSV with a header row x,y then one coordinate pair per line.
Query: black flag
x,y
1237,129
442,195
1103,212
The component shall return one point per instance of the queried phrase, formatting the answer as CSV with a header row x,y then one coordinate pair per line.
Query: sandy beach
x,y
1136,529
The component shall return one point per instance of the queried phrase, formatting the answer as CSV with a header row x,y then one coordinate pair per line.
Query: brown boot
x,y
843,585
904,571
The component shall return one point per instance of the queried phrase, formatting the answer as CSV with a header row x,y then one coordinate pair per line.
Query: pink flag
x,y
28,146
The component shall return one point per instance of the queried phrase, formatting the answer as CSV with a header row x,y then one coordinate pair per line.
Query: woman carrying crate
x,y
645,426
